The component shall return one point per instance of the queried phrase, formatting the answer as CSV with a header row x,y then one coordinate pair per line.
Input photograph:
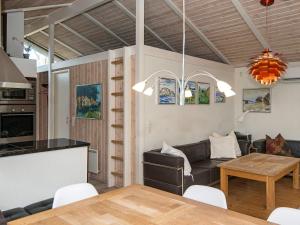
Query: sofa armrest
x,y
155,157
244,146
260,145
163,171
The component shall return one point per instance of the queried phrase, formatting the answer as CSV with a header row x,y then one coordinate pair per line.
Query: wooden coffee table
x,y
261,167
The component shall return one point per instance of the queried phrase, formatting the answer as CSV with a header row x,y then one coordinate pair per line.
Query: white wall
x,y
284,117
190,123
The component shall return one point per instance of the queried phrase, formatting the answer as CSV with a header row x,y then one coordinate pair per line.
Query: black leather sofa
x,y
18,213
165,171
260,146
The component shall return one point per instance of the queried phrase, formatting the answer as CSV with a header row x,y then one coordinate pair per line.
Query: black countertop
x,y
29,147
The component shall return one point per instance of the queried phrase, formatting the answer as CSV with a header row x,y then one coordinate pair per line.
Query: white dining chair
x,y
206,194
73,193
285,216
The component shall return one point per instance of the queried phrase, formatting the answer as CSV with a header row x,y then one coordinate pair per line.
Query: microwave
x,y
17,95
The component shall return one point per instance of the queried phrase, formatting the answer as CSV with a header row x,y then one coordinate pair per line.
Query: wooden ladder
x,y
117,93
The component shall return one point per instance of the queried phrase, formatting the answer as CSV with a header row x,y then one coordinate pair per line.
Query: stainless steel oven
x,y
17,95
17,123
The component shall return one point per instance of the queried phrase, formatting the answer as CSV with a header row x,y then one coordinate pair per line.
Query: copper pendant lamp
x,y
267,68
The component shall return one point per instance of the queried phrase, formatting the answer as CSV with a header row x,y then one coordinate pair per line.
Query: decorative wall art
x,y
192,85
219,96
89,101
257,100
203,93
167,91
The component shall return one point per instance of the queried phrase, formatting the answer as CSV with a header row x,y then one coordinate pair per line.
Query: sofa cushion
x,y
167,149
196,151
222,147
14,214
201,176
277,146
39,206
236,144
212,165
207,164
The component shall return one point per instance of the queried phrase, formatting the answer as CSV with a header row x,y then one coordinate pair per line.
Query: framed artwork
x,y
257,100
219,96
89,101
192,85
167,91
203,93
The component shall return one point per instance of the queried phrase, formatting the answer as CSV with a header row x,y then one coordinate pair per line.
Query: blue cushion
x,y
39,206
14,214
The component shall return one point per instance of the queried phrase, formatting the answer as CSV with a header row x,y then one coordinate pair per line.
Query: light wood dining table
x,y
138,205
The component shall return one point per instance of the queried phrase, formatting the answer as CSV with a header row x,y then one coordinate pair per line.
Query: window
x,y
38,54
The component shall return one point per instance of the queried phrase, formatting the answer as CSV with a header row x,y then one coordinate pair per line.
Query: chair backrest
x,y
285,216
206,194
73,193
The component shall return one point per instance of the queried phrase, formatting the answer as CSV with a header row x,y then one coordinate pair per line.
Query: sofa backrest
x,y
196,151
294,145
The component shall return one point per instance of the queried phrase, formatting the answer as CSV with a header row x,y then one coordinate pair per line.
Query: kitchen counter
x,y
30,147
33,171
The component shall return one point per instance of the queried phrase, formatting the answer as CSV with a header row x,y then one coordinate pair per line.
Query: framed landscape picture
x,y
89,101
257,100
203,93
192,85
219,96
167,91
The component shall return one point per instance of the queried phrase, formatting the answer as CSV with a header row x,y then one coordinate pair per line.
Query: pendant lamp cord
x,y
267,28
183,46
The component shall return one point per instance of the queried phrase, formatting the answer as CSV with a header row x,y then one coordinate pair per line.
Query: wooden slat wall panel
x,y
42,107
92,131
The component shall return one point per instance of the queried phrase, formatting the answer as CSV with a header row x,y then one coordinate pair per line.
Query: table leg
x,y
224,181
296,177
270,193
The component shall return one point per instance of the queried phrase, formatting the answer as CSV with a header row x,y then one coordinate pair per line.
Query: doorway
x,y
62,104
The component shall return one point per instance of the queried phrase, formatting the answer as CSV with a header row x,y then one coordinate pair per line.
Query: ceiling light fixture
x,y
184,91
267,68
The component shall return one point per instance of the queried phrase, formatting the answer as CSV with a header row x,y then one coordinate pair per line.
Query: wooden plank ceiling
x,y
219,21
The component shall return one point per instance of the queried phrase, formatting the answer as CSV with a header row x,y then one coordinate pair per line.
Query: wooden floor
x,y
249,197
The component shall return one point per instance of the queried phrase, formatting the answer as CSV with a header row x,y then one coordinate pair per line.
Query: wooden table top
x,y
138,205
262,164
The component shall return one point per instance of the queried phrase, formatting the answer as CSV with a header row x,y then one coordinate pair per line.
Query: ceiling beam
x,y
250,23
81,37
197,31
133,17
63,44
28,9
35,17
62,14
95,21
